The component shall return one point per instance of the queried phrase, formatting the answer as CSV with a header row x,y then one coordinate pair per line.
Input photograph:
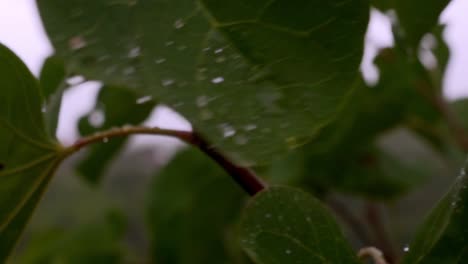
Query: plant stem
x,y
382,240
246,178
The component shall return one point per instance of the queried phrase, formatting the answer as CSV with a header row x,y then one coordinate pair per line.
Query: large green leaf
x,y
443,236
415,26
28,156
97,241
193,206
115,107
52,82
214,61
285,225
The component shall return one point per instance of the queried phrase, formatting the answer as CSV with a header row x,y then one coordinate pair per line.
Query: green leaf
x,y
117,106
52,83
214,63
28,156
415,26
285,225
193,206
443,236
98,241
461,109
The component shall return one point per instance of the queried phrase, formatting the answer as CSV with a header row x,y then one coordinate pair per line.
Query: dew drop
x,y
134,52
96,118
129,71
77,43
144,99
179,23
206,114
217,80
159,60
220,59
227,130
250,127
288,251
182,47
169,43
406,248
105,140
202,101
218,51
167,82
241,140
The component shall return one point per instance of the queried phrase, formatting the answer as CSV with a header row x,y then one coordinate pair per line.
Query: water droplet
x,y
96,118
241,140
206,114
75,80
159,60
250,127
217,80
167,82
134,52
220,59
105,140
182,47
202,100
267,215
288,251
227,130
218,51
406,248
129,70
169,43
144,99
179,23
77,42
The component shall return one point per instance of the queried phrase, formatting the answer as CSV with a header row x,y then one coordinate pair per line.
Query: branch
x,y
246,178
373,253
382,239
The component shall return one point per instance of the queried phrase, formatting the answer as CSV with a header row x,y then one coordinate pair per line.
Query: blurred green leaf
x,y
461,110
418,17
443,236
207,58
28,156
52,83
115,107
94,242
193,206
285,225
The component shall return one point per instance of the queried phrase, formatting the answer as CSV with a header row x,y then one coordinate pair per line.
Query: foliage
x,y
271,88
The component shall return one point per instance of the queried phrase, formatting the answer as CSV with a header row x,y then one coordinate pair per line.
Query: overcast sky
x,y
22,31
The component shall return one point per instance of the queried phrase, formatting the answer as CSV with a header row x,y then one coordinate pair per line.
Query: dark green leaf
x,y
285,225
214,63
193,206
52,82
418,17
93,242
116,106
443,236
461,110
27,154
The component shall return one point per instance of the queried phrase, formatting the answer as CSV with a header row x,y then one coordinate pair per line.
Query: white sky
x,y
22,31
